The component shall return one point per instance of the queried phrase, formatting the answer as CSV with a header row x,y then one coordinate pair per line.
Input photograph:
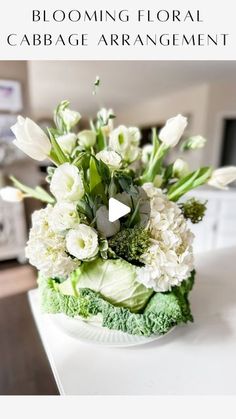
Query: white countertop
x,y
198,358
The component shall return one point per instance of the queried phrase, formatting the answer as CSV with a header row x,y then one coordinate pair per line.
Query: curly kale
x,y
163,311
130,243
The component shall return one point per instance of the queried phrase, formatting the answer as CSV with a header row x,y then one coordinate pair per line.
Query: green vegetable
x,y
130,243
193,210
163,311
115,280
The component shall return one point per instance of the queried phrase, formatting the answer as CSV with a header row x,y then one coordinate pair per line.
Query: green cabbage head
x,y
114,279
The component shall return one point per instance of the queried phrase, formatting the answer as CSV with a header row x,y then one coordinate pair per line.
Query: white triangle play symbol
x,y
116,209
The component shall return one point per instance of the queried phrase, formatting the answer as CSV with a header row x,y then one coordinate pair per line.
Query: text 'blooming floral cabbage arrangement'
x,y
134,273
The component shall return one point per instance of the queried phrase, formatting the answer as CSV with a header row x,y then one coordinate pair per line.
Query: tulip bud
x,y
70,118
146,153
87,138
173,130
221,177
157,181
180,168
10,194
193,143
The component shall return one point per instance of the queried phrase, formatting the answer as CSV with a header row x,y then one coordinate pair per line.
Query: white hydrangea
x,y
47,250
169,260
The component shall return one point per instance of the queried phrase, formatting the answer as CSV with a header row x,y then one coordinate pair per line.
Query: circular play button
x,y
117,210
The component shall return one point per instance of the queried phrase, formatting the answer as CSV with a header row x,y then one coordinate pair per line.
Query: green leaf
x,y
57,151
37,193
155,143
101,140
103,171
96,180
191,181
84,208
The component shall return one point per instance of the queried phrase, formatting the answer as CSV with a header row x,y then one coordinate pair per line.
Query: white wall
x,y
206,104
221,104
192,102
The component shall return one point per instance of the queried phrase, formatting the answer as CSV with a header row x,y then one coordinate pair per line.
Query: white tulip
x,y
110,157
10,194
194,143
87,138
180,168
173,130
63,217
104,226
82,242
31,139
146,153
70,118
67,142
67,183
125,141
221,177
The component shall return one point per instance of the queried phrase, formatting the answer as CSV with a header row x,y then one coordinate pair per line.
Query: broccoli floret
x,y
130,243
163,311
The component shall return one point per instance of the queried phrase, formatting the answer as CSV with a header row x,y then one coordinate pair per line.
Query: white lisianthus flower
x,y
104,226
10,194
125,141
31,139
193,143
63,217
110,158
180,168
47,250
67,184
173,130
67,142
70,118
146,153
169,260
87,138
82,242
221,177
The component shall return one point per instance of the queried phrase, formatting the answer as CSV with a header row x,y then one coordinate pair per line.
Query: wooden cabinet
x,y
218,228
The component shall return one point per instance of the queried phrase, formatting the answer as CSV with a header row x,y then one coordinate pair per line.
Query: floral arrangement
x,y
136,272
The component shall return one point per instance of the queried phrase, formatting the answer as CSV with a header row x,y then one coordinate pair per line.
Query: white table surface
x,y
198,358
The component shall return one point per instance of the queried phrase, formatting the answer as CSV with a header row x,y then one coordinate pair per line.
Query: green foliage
x,y
53,301
191,181
37,193
193,210
163,311
57,154
130,243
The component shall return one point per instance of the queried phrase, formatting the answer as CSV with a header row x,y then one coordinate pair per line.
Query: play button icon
x,y
116,209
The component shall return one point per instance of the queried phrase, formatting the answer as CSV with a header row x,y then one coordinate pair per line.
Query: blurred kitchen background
x,y
142,94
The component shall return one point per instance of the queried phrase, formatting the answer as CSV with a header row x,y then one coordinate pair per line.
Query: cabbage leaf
x,y
114,279
163,311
